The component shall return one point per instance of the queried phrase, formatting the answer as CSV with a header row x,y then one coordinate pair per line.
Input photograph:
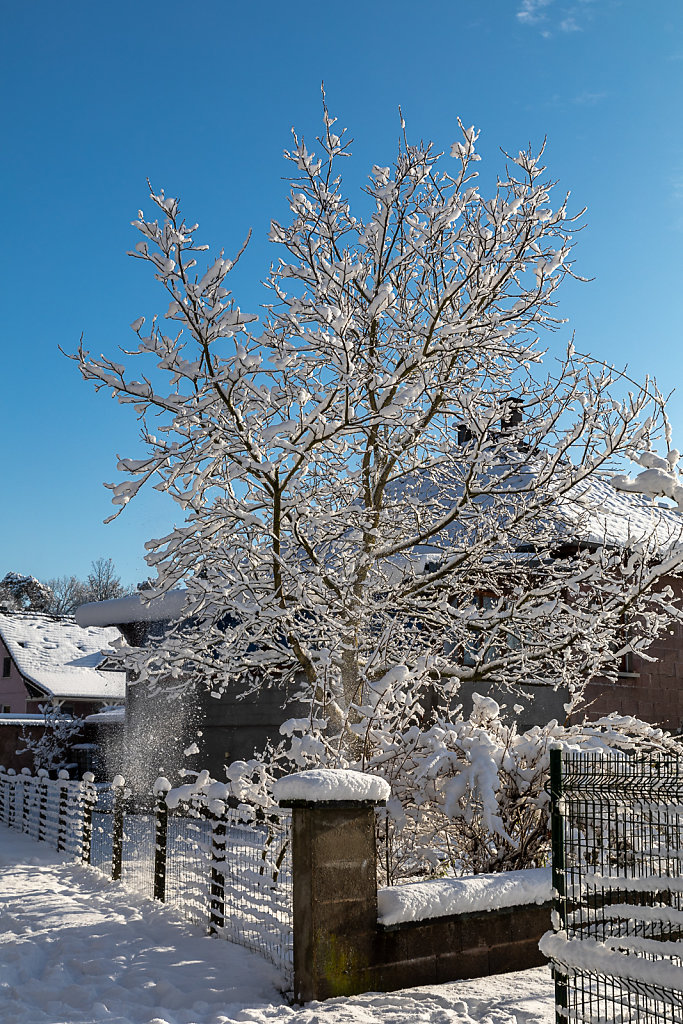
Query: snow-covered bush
x,y
468,796
50,750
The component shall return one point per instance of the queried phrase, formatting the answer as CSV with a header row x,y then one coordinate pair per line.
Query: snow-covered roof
x,y
107,716
594,511
599,513
61,657
134,608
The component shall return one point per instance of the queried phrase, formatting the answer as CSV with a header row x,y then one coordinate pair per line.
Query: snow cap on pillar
x,y
320,785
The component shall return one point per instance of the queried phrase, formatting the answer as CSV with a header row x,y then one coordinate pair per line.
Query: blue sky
x,y
201,97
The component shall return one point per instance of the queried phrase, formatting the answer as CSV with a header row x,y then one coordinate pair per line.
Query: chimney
x,y
464,434
512,414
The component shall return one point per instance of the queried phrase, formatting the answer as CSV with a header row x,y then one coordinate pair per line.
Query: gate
x,y
617,838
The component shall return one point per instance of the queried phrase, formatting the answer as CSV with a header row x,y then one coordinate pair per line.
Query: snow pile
x,y
659,478
60,657
133,608
439,897
320,784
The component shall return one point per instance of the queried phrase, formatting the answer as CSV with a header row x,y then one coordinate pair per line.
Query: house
x,y
48,659
598,515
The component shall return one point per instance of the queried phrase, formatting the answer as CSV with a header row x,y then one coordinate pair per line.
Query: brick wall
x,y
653,691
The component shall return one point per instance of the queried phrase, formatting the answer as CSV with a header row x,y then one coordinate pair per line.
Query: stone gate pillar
x,y
334,865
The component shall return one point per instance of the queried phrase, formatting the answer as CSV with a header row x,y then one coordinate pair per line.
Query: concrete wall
x,y
461,946
339,947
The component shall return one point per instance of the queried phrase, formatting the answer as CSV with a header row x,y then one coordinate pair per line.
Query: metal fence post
x,y
558,876
42,804
89,801
217,915
25,773
118,793
62,782
161,787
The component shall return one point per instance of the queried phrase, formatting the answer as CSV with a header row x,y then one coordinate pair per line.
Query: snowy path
x,y
77,949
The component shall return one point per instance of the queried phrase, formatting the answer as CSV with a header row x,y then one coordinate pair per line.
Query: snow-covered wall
x,y
442,897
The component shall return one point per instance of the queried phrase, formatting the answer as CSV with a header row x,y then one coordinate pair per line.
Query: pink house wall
x,y
12,688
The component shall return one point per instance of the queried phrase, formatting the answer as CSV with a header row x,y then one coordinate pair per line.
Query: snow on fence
x,y
226,869
617,826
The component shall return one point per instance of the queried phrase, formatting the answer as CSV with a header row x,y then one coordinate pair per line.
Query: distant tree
x,y
24,593
68,593
102,583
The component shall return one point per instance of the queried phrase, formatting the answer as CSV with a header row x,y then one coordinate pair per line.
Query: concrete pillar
x,y
334,865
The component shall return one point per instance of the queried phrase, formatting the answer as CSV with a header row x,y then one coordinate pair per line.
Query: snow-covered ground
x,y
77,949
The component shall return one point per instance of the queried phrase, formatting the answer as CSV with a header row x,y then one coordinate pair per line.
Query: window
x,y
484,602
6,709
624,658
627,665
6,667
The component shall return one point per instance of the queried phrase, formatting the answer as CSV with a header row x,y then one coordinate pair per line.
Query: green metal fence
x,y
617,836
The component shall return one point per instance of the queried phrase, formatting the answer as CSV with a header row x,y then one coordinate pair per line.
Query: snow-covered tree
x,y
24,593
384,492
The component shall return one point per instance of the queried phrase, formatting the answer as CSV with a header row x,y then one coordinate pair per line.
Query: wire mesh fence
x,y
229,872
617,827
